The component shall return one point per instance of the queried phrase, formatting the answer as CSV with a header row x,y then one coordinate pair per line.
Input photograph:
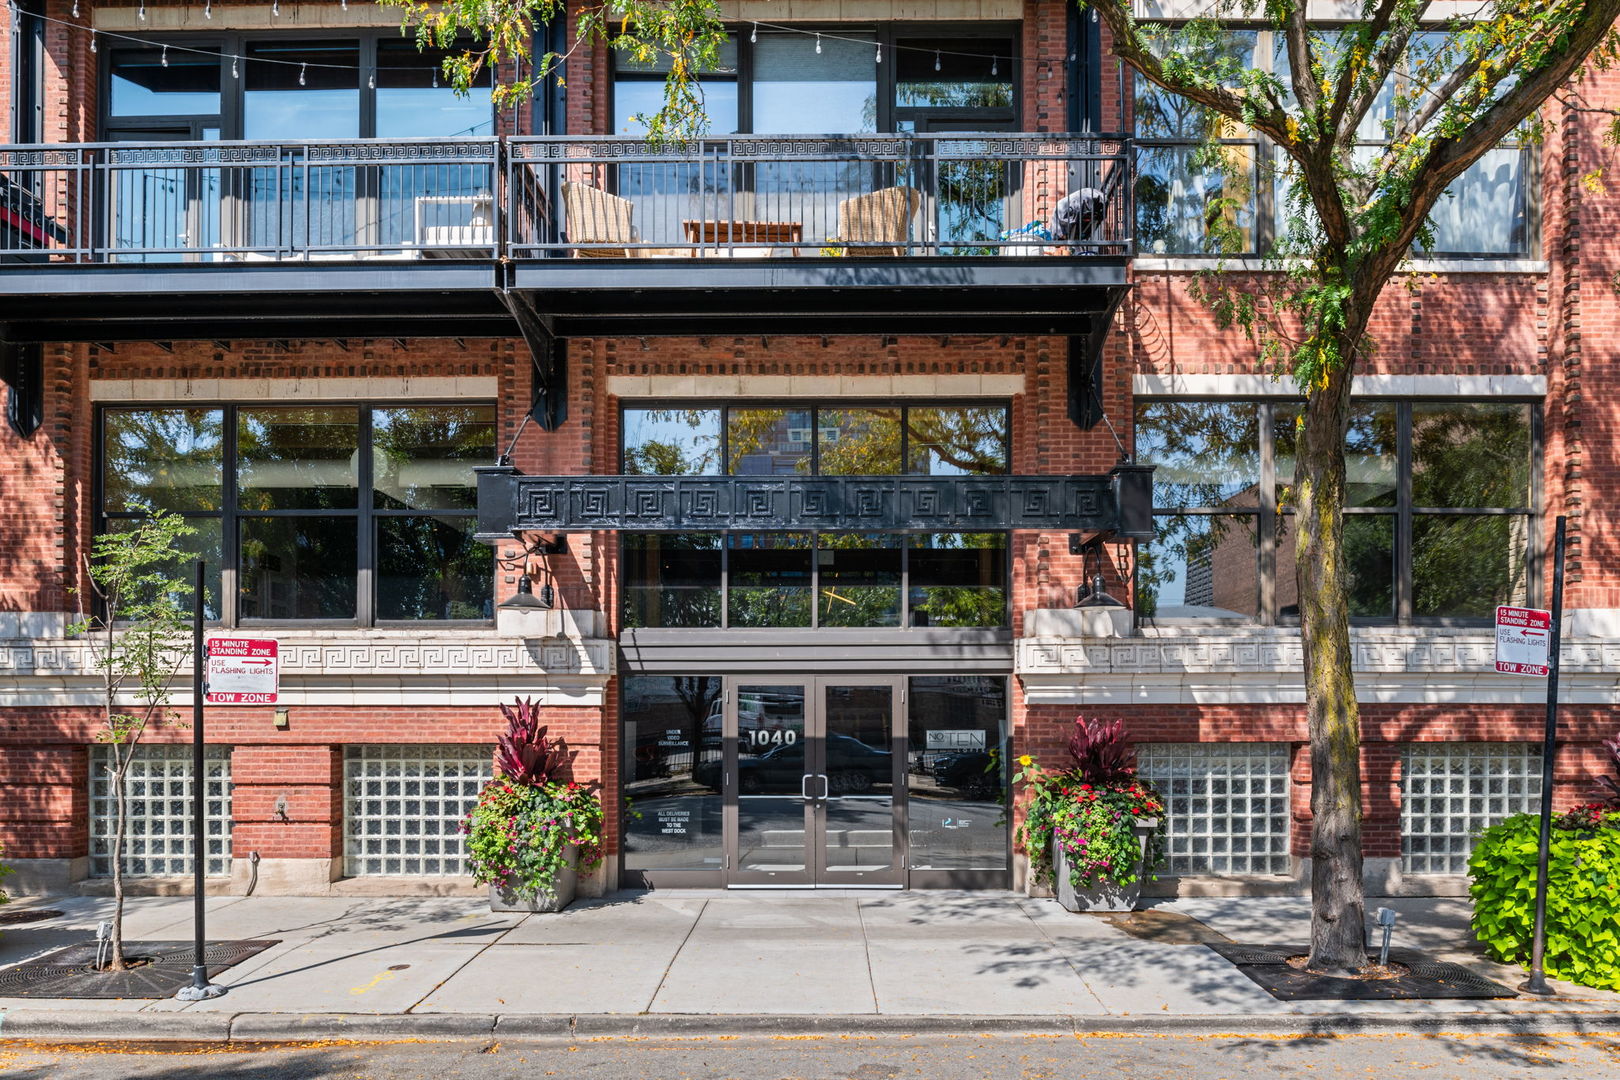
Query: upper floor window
x,y
1189,206
235,86
1439,509
780,82
313,512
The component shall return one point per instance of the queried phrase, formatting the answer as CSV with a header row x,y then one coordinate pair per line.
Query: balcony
x,y
581,235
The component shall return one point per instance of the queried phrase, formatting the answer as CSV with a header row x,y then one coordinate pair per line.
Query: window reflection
x,y
858,442
956,766
1464,566
672,579
1369,451
415,101
432,568
671,442
145,82
1471,454
769,442
1369,562
423,457
858,579
297,567
958,579
300,458
1207,453
162,459
1200,566
957,440
672,772
769,579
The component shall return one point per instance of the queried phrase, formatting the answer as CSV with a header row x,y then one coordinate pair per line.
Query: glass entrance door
x,y
814,766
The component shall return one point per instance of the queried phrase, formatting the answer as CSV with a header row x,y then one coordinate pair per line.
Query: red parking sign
x,y
242,671
1523,641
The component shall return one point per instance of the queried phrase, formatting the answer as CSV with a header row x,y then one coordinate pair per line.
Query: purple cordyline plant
x,y
524,755
1611,784
1101,750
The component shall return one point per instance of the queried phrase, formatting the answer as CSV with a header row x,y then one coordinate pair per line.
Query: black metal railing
x,y
580,196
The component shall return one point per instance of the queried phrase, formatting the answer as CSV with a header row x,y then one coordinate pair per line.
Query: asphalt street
x,y
833,1057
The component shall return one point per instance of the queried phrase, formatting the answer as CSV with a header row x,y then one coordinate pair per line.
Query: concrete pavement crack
x,y
1067,959
676,955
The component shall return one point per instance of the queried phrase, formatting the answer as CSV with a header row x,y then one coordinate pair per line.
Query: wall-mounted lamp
x,y
1091,593
525,600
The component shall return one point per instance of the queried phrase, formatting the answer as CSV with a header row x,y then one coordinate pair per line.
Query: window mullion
x,y
365,528
229,607
1267,553
1403,513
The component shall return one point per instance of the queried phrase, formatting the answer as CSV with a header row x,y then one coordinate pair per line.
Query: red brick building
x,y
786,433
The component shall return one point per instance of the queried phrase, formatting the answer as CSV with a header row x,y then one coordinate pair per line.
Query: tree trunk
x,y
115,961
1337,906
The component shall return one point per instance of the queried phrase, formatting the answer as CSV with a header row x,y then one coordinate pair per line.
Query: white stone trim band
x,y
1414,386
383,388
665,387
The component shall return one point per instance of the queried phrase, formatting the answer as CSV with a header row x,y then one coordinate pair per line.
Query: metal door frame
x,y
814,785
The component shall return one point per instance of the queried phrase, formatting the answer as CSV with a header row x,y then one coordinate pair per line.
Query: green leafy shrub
x,y
519,835
529,820
1583,893
4,870
1090,810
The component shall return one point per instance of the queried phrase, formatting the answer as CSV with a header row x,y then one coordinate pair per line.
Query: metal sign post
x,y
200,987
1537,982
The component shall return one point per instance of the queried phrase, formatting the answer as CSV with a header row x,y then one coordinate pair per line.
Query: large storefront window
x,y
314,512
1438,521
672,772
956,773
780,579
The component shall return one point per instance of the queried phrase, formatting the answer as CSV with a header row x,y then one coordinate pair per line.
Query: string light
x,y
371,81
936,59
345,5
164,59
880,52
236,72
142,12
435,78
754,36
301,69
818,44
75,9
92,41
995,65
208,9
275,9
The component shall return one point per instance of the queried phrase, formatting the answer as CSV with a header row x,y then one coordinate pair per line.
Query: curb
x,y
64,1025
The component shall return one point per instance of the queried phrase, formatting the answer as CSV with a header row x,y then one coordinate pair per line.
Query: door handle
x,y
804,787
826,787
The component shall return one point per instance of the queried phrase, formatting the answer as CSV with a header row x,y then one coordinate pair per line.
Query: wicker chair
x,y
595,217
878,223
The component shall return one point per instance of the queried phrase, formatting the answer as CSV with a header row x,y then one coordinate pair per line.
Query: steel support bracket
x,y
548,406
22,369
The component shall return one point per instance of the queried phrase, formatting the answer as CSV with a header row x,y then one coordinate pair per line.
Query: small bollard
x,y
103,942
1386,919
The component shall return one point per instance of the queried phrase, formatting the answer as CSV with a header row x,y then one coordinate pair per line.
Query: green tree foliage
x,y
139,635
687,34
1440,94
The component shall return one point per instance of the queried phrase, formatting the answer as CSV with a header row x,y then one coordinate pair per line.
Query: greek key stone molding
x,y
355,667
1428,666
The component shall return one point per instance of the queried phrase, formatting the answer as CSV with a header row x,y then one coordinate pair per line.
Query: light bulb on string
x,y
995,65
435,78
92,41
142,12
208,9
75,9
753,36
936,60
818,44
164,59
880,52
236,72
275,9
371,81
302,68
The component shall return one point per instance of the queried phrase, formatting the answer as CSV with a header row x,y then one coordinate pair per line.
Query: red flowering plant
x,y
1090,810
530,824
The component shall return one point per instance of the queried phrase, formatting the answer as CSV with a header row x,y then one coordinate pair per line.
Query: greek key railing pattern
x,y
508,502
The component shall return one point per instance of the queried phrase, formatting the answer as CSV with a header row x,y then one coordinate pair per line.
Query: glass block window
x,y
157,841
404,806
1227,805
1451,792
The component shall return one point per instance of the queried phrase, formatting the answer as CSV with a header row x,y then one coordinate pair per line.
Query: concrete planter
x,y
563,889
1106,896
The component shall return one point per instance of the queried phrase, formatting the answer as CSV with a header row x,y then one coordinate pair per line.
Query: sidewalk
x,y
689,961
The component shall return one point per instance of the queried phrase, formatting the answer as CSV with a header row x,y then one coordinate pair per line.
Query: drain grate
x,y
12,918
69,972
1427,979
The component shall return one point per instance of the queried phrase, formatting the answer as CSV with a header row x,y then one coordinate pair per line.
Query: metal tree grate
x,y
70,972
404,807
1425,979
1226,804
157,842
1451,792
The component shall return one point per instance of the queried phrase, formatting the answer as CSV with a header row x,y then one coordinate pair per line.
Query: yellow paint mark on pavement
x,y
380,977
